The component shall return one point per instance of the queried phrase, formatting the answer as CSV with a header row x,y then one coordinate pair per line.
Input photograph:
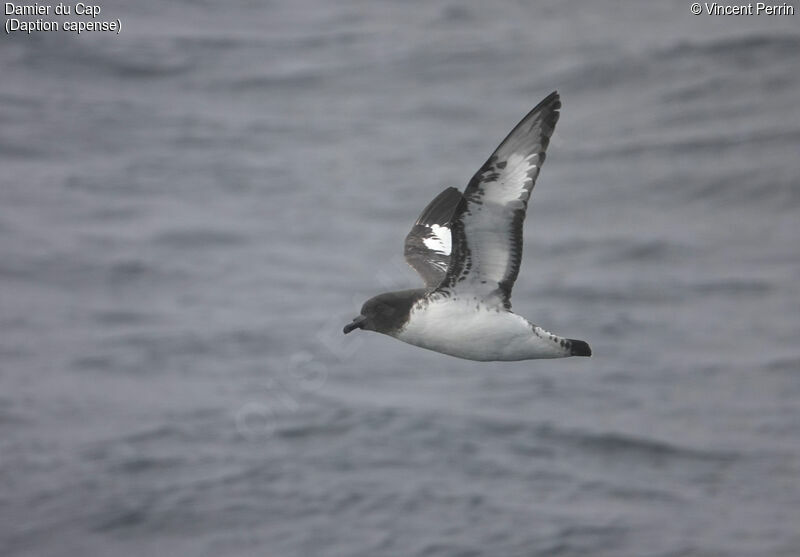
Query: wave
x,y
784,364
152,57
293,79
600,442
615,443
743,51
672,147
194,238
662,291
642,250
618,69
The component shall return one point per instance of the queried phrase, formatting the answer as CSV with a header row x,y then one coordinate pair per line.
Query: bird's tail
x,y
579,348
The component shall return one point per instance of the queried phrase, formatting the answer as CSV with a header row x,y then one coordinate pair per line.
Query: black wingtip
x,y
441,209
553,101
579,348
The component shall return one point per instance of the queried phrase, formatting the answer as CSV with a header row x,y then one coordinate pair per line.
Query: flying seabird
x,y
467,248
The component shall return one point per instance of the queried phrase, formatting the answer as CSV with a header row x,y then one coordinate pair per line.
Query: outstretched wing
x,y
487,227
428,244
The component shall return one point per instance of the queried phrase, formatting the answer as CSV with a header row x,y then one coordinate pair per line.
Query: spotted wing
x,y
487,226
428,244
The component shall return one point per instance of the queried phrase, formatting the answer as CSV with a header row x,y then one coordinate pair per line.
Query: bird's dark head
x,y
385,313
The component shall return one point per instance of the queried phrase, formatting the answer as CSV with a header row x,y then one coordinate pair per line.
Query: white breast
x,y
468,329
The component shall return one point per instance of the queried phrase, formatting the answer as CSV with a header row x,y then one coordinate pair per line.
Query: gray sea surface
x,y
191,210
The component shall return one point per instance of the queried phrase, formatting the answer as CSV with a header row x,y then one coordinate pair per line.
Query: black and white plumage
x,y
487,230
468,250
429,243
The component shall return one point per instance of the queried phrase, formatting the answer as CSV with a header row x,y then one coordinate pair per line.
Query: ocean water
x,y
191,210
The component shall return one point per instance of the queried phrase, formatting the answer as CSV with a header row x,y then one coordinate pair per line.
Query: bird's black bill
x,y
357,323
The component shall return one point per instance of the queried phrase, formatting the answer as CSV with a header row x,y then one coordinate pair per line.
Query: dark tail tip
x,y
579,348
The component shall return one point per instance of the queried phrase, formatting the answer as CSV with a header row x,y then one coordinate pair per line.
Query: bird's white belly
x,y
468,329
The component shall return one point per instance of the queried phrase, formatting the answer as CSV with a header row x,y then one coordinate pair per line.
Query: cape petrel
x,y
468,248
